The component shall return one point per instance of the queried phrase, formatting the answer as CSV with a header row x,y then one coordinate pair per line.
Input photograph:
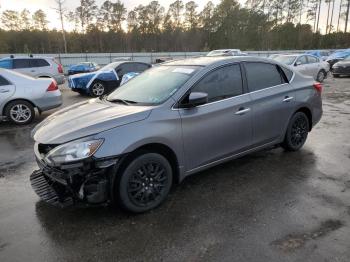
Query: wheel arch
x,y
17,99
308,113
159,148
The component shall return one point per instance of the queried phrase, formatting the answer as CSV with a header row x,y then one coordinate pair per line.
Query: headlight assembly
x,y
73,151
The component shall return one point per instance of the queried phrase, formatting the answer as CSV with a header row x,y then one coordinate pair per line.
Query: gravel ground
x,y
269,206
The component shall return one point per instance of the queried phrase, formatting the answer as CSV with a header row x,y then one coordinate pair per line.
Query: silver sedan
x,y
306,64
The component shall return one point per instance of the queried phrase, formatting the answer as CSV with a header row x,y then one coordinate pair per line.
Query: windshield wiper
x,y
125,102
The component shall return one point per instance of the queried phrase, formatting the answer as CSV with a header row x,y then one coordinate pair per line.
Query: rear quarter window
x,y
4,81
262,75
288,73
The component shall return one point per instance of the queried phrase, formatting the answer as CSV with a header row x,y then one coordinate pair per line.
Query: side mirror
x,y
297,63
196,99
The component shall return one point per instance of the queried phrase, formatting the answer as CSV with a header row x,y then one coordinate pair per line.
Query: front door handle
x,y
242,111
4,90
288,99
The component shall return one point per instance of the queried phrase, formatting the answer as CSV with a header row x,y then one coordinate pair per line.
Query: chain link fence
x,y
105,58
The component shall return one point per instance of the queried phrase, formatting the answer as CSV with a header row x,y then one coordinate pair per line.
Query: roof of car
x,y
27,57
206,61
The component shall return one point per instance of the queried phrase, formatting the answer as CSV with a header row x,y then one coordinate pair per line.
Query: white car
x,y
21,94
306,64
38,67
226,52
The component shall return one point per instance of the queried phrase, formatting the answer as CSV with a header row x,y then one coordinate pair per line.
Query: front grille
x,y
46,148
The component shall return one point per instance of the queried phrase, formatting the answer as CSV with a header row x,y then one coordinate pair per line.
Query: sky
x,y
48,5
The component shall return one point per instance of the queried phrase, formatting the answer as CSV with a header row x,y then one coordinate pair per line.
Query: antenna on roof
x,y
12,56
30,55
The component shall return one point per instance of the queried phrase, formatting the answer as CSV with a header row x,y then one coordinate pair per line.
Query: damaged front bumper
x,y
86,182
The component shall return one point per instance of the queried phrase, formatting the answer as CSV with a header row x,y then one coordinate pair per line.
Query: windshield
x,y
287,60
347,58
153,86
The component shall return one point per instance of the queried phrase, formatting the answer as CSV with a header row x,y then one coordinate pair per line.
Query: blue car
x,y
319,53
338,56
105,80
84,67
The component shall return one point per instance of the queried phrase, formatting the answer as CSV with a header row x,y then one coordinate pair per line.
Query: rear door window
x,y
262,75
21,63
4,81
6,63
221,83
38,63
312,59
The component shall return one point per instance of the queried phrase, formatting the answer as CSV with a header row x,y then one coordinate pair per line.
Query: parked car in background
x,y
226,52
38,67
306,64
127,77
169,122
342,68
84,67
21,94
322,54
105,80
338,56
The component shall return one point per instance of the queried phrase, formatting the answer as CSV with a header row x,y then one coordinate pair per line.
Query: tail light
x,y
52,87
318,87
60,69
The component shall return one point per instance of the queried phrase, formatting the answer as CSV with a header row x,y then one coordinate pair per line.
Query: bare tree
x,y
331,22
347,15
339,15
61,11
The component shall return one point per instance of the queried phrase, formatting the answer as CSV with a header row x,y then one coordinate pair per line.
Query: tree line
x,y
110,27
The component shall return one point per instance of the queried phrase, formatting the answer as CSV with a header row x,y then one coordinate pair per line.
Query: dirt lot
x,y
269,206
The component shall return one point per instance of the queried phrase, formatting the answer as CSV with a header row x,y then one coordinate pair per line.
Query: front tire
x,y
20,112
145,183
297,132
97,89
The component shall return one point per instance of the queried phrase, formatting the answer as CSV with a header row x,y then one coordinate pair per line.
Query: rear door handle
x,y
4,90
242,111
288,99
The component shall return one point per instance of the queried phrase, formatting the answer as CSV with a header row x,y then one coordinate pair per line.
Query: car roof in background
x,y
206,61
27,57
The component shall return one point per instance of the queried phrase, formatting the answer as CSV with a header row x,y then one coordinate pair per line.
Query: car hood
x,y
343,63
85,119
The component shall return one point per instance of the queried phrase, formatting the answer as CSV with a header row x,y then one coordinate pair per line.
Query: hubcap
x,y
146,185
20,113
98,89
299,131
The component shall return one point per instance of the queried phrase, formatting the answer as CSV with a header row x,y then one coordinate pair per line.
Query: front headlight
x,y
73,151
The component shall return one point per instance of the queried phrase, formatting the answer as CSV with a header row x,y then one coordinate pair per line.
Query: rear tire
x,y
297,132
20,112
321,76
145,183
97,89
